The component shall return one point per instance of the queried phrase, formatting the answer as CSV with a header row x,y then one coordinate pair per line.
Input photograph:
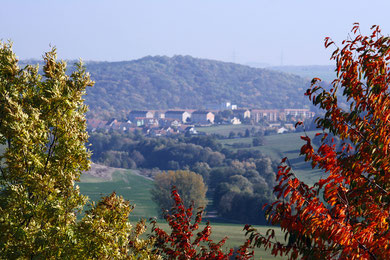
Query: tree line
x,y
236,180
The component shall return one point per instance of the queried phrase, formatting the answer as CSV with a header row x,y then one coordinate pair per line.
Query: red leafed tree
x,y
180,244
346,214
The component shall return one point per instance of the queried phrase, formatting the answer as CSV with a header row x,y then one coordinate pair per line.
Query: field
x,y
136,189
236,236
284,145
126,183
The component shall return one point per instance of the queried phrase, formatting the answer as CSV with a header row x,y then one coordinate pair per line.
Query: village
x,y
168,122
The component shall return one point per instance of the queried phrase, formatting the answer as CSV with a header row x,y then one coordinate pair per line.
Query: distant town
x,y
167,122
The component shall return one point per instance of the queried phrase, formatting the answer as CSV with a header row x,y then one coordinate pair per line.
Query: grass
x,y
284,145
128,184
136,189
236,236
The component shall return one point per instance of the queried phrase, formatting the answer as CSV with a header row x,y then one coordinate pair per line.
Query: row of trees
x,y
236,180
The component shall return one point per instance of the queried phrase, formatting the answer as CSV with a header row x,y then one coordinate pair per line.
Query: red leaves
x,y
178,244
328,42
345,214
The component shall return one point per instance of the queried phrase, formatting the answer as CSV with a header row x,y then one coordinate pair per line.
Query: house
x,y
191,130
179,115
140,114
290,127
242,113
167,122
273,125
160,131
282,130
121,126
270,115
94,124
202,117
296,113
138,121
151,122
111,122
235,121
159,114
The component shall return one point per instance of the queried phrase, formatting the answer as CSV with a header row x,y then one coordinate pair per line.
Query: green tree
x,y
43,126
189,184
258,141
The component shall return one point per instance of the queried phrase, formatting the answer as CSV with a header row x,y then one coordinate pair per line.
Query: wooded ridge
x,y
162,82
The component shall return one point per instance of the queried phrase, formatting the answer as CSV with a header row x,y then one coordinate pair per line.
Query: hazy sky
x,y
289,32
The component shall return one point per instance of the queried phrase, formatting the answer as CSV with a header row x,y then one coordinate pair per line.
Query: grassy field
x,y
128,184
284,145
236,236
136,189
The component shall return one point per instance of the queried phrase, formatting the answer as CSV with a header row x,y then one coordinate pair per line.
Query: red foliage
x,y
180,244
345,215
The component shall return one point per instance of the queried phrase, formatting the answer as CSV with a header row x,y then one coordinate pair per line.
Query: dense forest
x,y
162,82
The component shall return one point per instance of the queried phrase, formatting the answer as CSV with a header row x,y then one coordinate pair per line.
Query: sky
x,y
269,32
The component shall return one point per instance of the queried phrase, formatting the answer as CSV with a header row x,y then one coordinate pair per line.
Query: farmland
x,y
136,189
126,183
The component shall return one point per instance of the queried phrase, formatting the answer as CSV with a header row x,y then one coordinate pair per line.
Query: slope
x,y
185,82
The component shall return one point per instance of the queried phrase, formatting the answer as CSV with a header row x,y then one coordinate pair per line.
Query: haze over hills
x,y
162,82
324,72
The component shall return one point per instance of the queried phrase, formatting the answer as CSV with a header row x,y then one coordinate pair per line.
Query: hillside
x,y
187,82
162,82
324,72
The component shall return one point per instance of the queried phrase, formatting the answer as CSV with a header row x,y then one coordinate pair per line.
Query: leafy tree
x,y
43,126
258,141
239,198
188,183
105,233
346,214
180,244
247,133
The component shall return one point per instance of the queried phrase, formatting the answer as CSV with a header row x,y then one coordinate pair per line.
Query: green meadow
x,y
136,189
284,145
236,236
126,183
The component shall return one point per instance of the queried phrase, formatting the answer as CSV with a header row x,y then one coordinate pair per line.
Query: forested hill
x,y
161,82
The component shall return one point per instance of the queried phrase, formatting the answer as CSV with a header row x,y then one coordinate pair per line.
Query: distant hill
x,y
187,82
324,72
162,82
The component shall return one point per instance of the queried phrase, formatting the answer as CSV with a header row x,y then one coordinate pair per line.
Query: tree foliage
x,y
189,184
43,126
346,214
182,81
181,244
202,155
